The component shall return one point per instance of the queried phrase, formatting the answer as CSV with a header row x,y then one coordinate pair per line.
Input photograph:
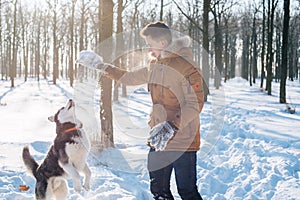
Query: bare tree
x,y
106,16
119,45
1,61
83,24
233,47
226,18
71,56
246,31
254,53
285,35
218,42
1,41
7,44
219,9
271,12
161,14
46,43
37,22
82,33
293,52
24,37
14,46
205,55
263,47
53,7
278,37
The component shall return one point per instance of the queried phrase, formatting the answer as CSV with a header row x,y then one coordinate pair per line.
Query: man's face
x,y
155,47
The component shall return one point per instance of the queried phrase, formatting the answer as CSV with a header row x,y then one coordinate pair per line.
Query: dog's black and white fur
x,y
66,158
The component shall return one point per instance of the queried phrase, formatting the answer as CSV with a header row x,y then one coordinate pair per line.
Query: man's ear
x,y
164,43
51,118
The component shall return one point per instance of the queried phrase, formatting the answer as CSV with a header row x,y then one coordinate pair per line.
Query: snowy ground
x,y
250,144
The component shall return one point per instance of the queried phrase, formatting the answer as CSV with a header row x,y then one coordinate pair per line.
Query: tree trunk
x,y
106,16
24,38
232,47
278,48
218,51
285,35
71,56
232,55
292,52
1,46
45,46
14,47
245,55
262,76
271,13
82,25
119,45
161,14
37,50
205,50
253,70
83,14
55,49
226,52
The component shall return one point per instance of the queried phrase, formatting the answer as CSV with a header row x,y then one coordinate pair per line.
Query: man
x,y
175,85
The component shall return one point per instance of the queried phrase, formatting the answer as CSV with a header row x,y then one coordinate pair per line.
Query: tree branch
x,y
188,17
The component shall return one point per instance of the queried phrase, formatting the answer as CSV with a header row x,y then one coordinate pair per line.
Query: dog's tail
x,y
29,161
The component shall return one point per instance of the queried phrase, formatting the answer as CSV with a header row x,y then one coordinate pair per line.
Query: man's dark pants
x,y
160,166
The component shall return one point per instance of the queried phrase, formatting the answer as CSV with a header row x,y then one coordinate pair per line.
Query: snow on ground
x,y
250,144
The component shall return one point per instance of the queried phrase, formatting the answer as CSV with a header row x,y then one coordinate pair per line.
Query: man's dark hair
x,y
157,30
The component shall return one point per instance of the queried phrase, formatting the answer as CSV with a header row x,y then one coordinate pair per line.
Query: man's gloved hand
x,y
161,134
90,59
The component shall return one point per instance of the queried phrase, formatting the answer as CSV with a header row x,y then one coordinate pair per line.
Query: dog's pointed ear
x,y
51,118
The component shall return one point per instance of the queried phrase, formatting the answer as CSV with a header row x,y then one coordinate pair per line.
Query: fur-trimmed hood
x,y
178,47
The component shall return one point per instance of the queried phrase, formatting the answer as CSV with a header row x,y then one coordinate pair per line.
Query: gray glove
x,y
92,60
161,134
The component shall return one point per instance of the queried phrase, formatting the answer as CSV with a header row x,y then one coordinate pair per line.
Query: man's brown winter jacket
x,y
175,85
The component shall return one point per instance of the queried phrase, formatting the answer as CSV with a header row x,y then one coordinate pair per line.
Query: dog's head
x,y
66,115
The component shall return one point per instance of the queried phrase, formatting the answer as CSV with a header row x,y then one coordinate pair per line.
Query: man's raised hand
x,y
90,59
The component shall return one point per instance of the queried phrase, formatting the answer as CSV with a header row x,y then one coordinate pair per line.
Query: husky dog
x,y
66,158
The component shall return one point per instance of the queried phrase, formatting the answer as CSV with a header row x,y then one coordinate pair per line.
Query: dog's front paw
x,y
86,186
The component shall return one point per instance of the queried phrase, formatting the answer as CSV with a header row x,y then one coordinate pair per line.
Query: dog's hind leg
x,y
60,189
87,177
73,173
